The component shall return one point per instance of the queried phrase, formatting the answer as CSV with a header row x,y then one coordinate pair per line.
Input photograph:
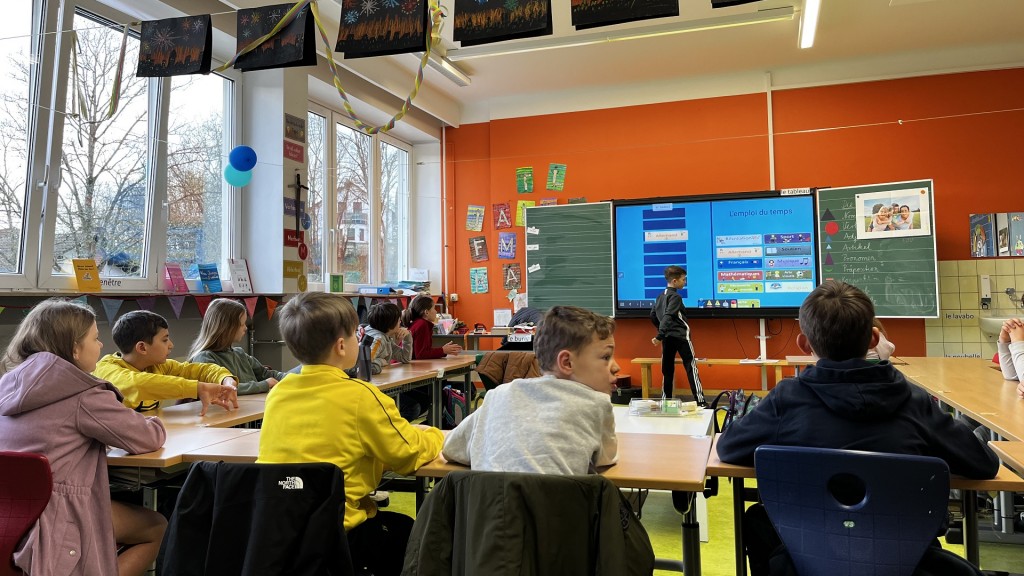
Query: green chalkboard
x,y
569,256
865,241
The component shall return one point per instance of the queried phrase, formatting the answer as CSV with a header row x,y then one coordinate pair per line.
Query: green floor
x,y
662,523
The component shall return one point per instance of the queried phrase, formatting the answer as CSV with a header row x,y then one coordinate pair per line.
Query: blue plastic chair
x,y
844,512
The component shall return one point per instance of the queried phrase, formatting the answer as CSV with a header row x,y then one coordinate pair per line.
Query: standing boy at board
x,y
673,336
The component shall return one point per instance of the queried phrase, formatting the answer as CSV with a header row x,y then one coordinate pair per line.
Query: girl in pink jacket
x,y
50,404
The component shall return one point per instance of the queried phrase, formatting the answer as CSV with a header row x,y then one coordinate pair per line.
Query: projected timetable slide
x,y
745,253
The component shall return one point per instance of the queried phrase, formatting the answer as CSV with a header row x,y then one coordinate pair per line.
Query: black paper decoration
x,y
382,27
175,46
594,13
294,45
487,21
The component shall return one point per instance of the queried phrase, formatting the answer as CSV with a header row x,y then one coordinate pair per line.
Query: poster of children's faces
x,y
994,235
894,214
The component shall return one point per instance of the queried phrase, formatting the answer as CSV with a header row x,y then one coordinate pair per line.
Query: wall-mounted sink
x,y
992,325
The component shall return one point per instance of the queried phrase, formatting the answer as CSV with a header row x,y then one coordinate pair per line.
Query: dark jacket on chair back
x,y
499,523
258,519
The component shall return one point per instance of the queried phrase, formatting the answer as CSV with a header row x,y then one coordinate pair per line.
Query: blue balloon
x,y
242,158
236,177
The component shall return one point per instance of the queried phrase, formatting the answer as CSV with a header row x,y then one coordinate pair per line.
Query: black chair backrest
x,y
256,519
851,512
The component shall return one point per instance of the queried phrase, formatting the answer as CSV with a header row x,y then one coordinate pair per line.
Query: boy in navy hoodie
x,y
846,402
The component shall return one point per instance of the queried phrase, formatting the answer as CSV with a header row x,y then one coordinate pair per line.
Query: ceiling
x,y
848,30
856,40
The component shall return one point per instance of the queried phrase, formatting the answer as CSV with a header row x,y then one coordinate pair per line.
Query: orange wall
x,y
965,131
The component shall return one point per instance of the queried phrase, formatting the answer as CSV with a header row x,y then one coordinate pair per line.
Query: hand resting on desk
x,y
224,395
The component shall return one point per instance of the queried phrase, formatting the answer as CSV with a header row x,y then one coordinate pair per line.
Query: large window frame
x,y
333,227
49,85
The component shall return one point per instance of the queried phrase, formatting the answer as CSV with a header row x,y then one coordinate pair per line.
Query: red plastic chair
x,y
25,486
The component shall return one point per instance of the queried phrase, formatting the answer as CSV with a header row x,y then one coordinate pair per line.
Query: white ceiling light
x,y
809,22
447,68
513,47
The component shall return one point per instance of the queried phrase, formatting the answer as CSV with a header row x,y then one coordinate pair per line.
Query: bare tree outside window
x,y
15,115
353,165
103,196
394,198
316,129
195,160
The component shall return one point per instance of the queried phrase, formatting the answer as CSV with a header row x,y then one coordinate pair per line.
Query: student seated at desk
x,y
1011,351
419,318
846,402
559,423
392,344
51,405
145,375
223,325
322,415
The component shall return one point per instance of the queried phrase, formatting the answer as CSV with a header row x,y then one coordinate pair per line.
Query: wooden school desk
x,y
646,368
973,386
1005,480
654,461
250,410
1011,453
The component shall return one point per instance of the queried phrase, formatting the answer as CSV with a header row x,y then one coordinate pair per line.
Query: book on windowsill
x,y
209,276
87,275
240,278
174,278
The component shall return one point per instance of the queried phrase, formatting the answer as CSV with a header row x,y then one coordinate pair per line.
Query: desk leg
x,y
468,390
645,380
778,375
421,491
970,508
686,504
435,402
738,506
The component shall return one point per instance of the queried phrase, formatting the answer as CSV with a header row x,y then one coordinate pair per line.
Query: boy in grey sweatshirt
x,y
559,423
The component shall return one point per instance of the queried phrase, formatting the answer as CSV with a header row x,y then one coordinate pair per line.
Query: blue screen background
x,y
758,252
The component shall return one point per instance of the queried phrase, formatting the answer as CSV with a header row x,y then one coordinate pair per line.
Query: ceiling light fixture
x,y
502,48
809,22
447,68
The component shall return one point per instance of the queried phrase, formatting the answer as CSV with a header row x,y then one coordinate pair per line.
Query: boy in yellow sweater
x,y
322,415
145,375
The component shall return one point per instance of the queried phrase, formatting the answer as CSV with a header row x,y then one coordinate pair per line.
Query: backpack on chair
x,y
454,403
735,404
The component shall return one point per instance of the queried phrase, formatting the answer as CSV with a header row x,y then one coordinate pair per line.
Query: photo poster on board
x,y
982,235
1000,234
880,238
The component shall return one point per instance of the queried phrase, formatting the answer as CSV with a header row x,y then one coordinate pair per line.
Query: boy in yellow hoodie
x,y
145,375
322,415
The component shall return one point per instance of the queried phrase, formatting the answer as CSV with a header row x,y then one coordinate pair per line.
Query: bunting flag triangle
x,y
26,310
176,303
146,302
111,306
828,260
83,299
203,302
2,309
250,304
271,305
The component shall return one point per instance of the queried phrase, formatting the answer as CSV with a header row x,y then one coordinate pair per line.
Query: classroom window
x,y
394,200
316,141
365,197
196,192
354,174
104,197
18,112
